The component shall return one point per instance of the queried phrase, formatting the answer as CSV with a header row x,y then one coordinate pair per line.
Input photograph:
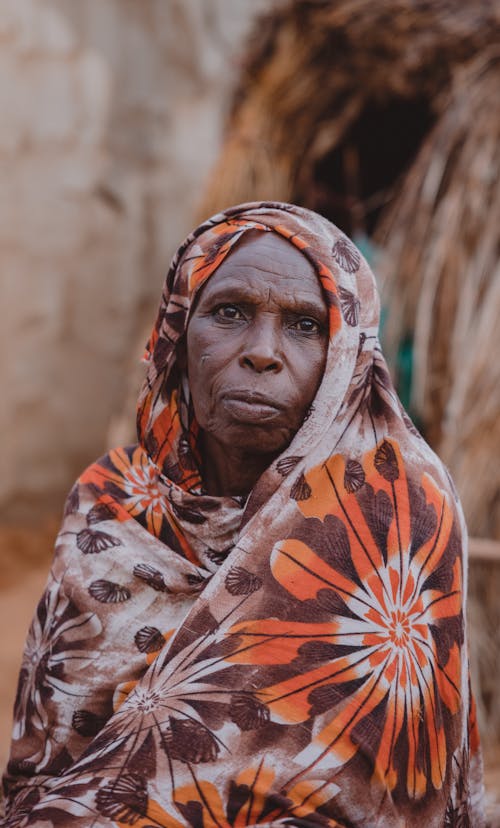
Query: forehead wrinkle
x,y
270,267
241,291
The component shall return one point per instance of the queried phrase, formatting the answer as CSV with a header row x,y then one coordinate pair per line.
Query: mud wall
x,y
112,113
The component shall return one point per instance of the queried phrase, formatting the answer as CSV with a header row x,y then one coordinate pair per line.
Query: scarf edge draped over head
x,y
298,659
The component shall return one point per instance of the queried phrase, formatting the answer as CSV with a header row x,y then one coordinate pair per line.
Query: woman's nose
x,y
261,350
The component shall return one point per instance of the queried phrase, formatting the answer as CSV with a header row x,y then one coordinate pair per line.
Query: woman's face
x,y
256,346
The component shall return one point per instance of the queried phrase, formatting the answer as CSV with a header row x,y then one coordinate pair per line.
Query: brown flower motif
x,y
247,712
287,464
151,576
346,255
386,462
349,305
108,592
91,542
300,490
354,476
190,741
124,800
149,640
239,581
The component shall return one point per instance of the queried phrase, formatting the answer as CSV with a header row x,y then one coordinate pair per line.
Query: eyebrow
x,y
243,294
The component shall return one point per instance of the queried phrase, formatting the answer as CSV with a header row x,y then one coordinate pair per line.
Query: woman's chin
x,y
254,438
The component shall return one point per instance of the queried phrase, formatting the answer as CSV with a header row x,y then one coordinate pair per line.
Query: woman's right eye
x,y
228,312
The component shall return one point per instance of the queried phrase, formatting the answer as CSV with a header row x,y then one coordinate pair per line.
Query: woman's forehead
x,y
262,260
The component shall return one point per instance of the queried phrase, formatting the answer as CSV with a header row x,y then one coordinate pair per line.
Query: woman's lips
x,y
251,408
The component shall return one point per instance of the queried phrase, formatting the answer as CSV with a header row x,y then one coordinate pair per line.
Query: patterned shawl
x,y
295,659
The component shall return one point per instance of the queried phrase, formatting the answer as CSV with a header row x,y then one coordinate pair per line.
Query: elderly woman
x,y
255,616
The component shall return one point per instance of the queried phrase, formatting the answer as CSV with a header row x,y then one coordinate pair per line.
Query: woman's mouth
x,y
251,408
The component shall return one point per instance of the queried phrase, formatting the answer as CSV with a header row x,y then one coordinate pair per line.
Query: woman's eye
x,y
228,312
306,325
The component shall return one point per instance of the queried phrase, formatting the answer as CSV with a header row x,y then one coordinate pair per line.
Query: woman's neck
x,y
231,472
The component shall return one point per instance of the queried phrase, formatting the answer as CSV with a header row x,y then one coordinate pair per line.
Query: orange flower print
x,y
376,660
251,801
142,494
128,478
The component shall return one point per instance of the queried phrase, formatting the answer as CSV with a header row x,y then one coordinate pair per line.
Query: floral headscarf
x,y
298,658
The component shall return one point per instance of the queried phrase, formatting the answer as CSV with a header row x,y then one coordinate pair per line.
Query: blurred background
x,y
124,123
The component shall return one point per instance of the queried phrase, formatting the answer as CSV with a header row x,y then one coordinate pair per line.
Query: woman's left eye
x,y
306,325
228,312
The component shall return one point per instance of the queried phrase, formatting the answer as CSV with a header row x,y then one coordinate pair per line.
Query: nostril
x,y
260,363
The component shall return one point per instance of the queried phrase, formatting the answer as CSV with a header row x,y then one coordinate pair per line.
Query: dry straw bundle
x,y
441,242
385,117
325,78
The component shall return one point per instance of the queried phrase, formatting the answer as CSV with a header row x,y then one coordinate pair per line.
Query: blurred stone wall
x,y
111,115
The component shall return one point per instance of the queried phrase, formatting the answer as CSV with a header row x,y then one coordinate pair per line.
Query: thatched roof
x,y
335,98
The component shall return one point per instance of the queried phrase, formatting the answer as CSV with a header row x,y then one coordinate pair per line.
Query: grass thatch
x,y
441,238
335,98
